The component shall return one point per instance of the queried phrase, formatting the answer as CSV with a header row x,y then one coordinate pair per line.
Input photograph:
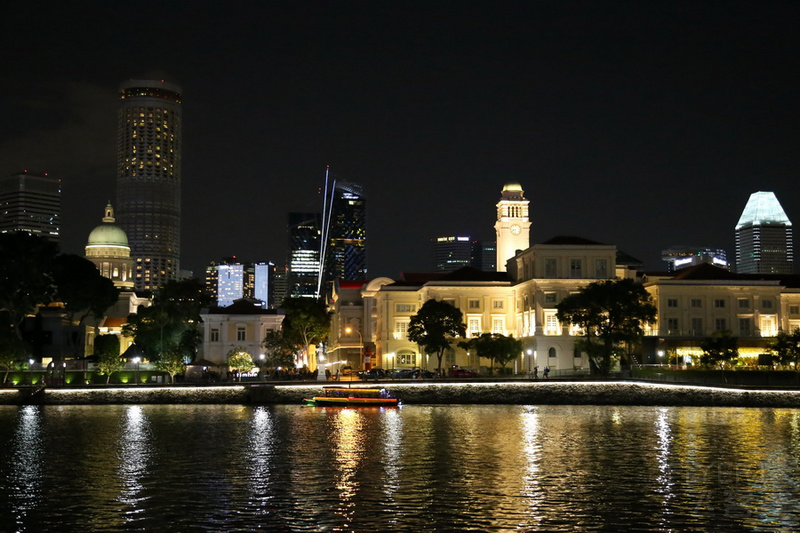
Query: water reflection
x,y
261,443
532,452
26,459
664,440
134,453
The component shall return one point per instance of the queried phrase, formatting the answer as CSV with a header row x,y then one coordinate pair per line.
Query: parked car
x,y
373,373
411,373
461,372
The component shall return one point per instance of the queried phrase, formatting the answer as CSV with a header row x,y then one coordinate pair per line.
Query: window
x,y
405,308
474,303
575,268
498,325
720,324
794,309
241,333
672,302
400,329
473,326
406,359
696,302
744,303
498,304
552,353
719,303
549,297
551,267
745,329
672,326
601,268
214,335
697,327
450,301
766,304
551,324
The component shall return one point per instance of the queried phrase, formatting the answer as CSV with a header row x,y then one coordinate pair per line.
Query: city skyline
x,y
643,126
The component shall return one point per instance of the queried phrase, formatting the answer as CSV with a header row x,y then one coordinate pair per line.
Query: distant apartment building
x,y
681,256
31,203
230,280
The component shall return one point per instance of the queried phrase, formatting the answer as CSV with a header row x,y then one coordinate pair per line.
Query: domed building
x,y
108,249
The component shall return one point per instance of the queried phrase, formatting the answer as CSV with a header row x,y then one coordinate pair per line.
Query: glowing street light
x,y
349,331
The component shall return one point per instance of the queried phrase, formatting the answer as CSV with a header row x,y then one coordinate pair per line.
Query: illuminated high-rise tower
x,y
764,237
149,178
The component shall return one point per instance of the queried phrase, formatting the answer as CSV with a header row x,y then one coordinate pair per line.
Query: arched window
x,y
551,352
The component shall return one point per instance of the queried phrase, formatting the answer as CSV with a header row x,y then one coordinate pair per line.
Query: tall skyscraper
x,y
764,237
304,254
149,178
512,225
346,252
31,203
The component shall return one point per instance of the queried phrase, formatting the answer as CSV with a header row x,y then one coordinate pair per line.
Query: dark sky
x,y
643,124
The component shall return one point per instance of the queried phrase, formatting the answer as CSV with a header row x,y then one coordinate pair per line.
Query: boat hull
x,y
320,401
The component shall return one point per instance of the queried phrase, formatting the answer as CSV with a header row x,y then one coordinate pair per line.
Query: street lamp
x,y
30,370
390,356
350,330
136,367
530,353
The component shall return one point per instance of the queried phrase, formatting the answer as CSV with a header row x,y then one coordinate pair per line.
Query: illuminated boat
x,y
353,397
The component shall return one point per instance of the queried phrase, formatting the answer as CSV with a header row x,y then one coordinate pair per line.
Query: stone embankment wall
x,y
539,392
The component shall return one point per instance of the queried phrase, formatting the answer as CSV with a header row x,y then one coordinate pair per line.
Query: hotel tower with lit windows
x,y
149,178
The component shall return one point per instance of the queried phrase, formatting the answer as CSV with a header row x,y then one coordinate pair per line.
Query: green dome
x,y
108,233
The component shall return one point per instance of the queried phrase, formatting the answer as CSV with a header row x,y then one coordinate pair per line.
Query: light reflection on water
x,y
419,468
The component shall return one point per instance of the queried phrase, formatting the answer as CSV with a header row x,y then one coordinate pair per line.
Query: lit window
x,y
498,304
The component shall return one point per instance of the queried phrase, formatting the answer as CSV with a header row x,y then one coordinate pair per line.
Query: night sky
x,y
643,124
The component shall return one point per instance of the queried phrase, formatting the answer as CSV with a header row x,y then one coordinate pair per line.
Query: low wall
x,y
528,393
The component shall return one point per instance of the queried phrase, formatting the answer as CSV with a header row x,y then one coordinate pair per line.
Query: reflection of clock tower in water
x,y
513,224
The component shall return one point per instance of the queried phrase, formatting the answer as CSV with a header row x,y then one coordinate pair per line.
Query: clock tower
x,y
513,224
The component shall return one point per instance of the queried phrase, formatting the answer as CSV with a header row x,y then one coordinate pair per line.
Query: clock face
x,y
515,229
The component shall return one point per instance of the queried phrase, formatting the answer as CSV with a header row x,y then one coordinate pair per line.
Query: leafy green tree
x,y
238,359
171,361
278,350
83,291
611,314
26,279
786,348
719,350
495,347
307,321
172,323
435,327
106,348
12,349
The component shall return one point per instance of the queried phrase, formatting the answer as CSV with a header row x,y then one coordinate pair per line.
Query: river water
x,y
418,468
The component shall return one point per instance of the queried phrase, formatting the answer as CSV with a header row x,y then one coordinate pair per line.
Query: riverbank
x,y
542,392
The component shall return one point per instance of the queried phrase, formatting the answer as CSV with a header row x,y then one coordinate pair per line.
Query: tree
x,y
786,348
26,279
12,349
238,359
495,347
721,349
106,348
172,362
172,323
307,321
435,327
611,313
278,350
83,291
